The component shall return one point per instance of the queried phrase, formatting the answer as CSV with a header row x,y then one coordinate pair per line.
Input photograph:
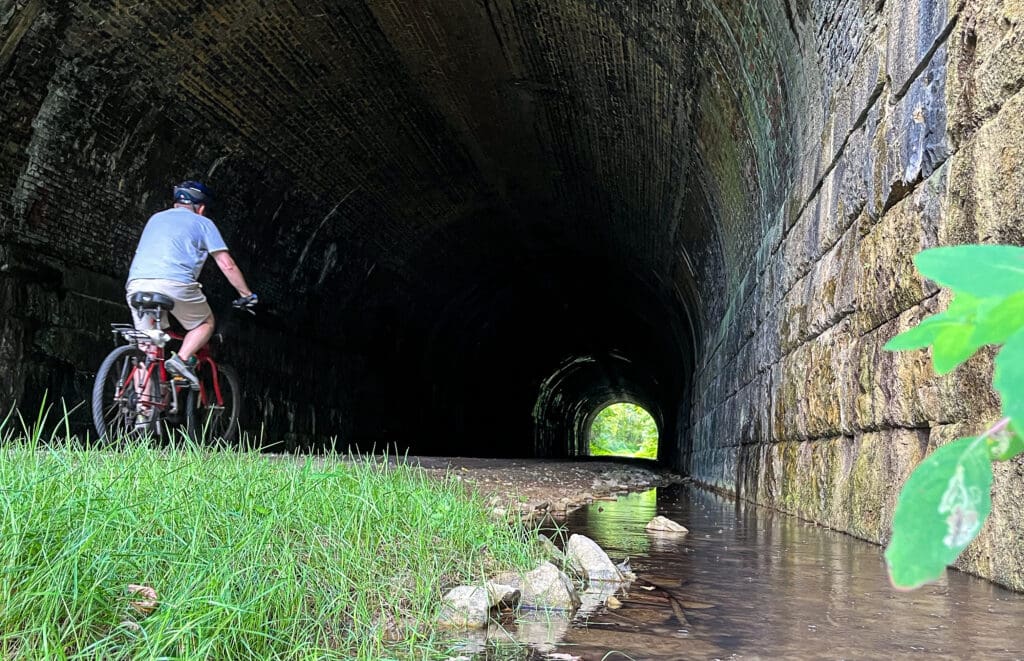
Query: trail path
x,y
535,486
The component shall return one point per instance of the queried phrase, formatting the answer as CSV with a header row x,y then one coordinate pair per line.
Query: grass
x,y
251,557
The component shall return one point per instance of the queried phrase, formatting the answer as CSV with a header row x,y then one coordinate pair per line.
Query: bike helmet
x,y
191,192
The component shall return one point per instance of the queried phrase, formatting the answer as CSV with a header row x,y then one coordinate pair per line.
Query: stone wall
x,y
920,144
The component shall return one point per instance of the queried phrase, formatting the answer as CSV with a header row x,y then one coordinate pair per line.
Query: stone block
x,y
800,246
887,282
830,406
811,387
786,486
914,29
986,182
900,388
883,460
986,51
911,141
827,292
749,404
836,466
1005,527
854,173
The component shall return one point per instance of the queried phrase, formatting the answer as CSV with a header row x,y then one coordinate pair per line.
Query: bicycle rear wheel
x,y
206,419
115,400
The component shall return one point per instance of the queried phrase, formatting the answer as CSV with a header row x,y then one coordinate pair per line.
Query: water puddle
x,y
747,582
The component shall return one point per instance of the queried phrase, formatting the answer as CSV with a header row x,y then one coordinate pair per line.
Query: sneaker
x,y
175,365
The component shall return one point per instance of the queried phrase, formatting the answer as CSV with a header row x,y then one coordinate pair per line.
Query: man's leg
x,y
193,312
193,341
196,338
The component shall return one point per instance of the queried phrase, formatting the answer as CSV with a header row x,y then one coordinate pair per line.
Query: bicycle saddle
x,y
149,299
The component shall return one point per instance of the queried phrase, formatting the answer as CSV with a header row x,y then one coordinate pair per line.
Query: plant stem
x,y
996,429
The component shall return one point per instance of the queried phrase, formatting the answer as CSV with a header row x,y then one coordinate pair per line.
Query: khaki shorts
x,y
190,306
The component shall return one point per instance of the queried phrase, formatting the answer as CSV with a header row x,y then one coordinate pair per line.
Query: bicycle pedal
x,y
179,380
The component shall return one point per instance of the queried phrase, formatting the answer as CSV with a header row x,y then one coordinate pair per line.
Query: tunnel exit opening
x,y
623,429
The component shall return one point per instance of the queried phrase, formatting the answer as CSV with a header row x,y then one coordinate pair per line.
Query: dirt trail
x,y
535,486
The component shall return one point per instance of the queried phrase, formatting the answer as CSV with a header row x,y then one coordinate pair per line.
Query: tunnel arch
x,y
413,225
429,194
578,390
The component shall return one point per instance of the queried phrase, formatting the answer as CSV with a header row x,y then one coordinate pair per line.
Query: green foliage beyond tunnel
x,y
624,430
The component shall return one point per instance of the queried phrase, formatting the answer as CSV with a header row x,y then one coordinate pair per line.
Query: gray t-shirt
x,y
174,246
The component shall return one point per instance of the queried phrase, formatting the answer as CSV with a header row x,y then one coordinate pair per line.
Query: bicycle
x,y
135,395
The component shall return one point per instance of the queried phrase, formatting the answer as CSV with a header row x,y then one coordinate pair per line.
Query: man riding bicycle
x,y
171,253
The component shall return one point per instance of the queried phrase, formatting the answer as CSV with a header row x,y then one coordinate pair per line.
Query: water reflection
x,y
749,582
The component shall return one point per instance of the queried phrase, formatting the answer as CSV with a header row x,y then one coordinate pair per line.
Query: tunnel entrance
x,y
437,231
623,429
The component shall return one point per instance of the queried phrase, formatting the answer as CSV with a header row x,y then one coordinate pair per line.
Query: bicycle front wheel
x,y
115,399
208,419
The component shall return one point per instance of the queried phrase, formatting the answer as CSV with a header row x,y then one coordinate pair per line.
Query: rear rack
x,y
134,336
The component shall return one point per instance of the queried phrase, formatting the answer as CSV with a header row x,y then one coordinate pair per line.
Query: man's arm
x,y
231,272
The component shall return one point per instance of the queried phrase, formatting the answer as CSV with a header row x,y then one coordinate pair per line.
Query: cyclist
x,y
171,253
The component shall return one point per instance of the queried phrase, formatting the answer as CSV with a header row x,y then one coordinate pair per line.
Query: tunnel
x,y
474,224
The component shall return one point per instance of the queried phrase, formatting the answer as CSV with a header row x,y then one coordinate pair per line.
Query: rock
x,y
509,578
465,607
502,595
586,557
551,552
548,587
469,606
613,603
663,524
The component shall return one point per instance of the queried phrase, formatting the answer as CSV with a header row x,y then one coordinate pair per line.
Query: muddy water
x,y
750,583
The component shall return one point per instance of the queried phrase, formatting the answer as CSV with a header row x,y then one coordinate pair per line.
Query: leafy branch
x,y
946,500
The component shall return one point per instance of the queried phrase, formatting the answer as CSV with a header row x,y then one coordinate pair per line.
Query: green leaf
x,y
1005,445
999,319
1009,377
954,334
961,310
952,347
921,335
982,271
940,510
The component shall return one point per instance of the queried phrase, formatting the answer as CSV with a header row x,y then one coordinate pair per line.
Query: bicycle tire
x,y
211,425
116,419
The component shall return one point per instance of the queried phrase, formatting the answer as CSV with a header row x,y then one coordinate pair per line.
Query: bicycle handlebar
x,y
246,303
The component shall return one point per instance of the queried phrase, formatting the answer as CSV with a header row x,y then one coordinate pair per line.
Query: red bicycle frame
x,y
202,357
156,353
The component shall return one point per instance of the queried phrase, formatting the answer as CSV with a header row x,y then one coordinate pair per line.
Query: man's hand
x,y
246,303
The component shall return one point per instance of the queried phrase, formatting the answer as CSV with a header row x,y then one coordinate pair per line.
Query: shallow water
x,y
750,583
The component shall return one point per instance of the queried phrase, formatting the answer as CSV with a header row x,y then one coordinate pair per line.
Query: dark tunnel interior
x,y
493,357
472,225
